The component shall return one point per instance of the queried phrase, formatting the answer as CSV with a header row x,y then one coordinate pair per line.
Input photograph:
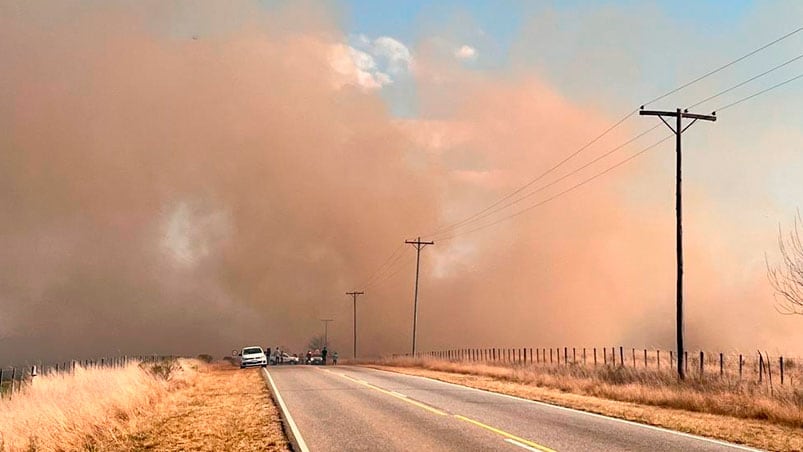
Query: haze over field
x,y
179,179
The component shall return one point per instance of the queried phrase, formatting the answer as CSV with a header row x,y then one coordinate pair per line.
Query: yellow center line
x,y
505,434
442,413
398,396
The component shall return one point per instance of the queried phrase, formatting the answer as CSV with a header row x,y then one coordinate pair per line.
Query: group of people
x,y
277,356
323,353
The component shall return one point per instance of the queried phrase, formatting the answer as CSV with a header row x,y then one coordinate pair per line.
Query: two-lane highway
x,y
353,408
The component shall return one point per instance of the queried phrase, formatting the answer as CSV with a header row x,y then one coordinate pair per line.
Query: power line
x,y
727,65
572,188
565,176
392,274
539,177
381,267
785,63
777,85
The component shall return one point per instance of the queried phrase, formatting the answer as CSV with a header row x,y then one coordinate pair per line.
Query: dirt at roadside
x,y
226,409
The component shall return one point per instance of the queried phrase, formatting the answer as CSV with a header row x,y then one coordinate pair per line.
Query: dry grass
x,y
745,413
167,406
227,409
89,407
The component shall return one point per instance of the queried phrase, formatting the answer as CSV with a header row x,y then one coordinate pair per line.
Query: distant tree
x,y
787,277
317,342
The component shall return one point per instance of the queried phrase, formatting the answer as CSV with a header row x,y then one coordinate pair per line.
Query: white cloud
x,y
370,64
396,54
466,53
357,68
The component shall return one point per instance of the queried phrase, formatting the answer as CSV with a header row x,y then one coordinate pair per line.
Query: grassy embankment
x,y
169,405
743,412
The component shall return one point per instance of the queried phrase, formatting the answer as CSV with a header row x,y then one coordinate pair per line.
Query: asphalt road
x,y
347,408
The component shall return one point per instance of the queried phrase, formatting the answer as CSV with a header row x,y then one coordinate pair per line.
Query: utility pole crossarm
x,y
419,243
674,114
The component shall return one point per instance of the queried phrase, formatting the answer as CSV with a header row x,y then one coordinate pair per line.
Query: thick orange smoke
x,y
165,190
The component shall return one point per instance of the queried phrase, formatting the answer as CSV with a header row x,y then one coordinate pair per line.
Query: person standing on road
x,y
309,356
323,355
279,357
267,355
334,358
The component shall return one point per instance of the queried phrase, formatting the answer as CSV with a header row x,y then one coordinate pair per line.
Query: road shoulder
x,y
226,408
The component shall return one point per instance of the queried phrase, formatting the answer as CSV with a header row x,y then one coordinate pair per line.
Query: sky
x,y
187,178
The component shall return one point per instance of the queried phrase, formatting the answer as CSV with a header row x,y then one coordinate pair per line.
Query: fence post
x,y
595,356
670,358
686,362
781,363
760,368
621,356
702,363
645,358
633,351
605,356
1,383
740,366
13,376
531,354
584,356
550,355
658,355
565,355
721,365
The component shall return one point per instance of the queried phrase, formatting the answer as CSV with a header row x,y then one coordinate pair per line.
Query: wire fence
x,y
759,367
13,379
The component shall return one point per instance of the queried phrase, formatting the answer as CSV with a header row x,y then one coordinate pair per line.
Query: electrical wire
x,y
537,178
725,66
777,85
785,63
572,188
565,176
379,270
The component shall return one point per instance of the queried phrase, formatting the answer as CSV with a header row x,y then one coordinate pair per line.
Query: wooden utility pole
x,y
326,331
354,296
678,130
419,245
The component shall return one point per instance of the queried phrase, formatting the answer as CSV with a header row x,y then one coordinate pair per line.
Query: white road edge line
x,y
296,434
398,394
601,416
523,446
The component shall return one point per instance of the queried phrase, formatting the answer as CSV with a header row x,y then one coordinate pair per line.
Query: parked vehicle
x,y
252,356
289,359
315,360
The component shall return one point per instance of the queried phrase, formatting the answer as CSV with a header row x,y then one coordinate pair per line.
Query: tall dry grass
x,y
724,396
77,411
